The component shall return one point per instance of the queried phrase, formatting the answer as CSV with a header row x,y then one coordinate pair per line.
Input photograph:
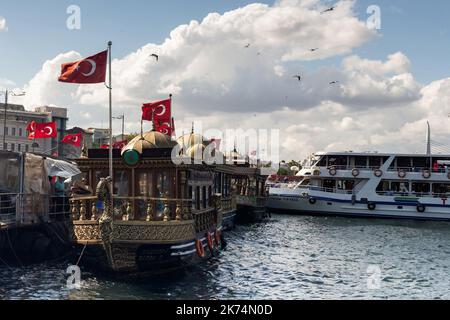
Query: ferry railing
x,y
327,190
418,169
133,208
414,194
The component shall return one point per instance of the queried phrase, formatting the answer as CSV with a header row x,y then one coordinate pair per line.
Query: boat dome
x,y
189,140
149,140
196,151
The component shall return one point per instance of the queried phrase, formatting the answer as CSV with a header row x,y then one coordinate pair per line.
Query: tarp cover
x,y
9,172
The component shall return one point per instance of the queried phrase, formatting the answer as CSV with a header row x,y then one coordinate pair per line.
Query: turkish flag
x,y
42,130
164,128
73,139
89,70
159,111
120,144
104,146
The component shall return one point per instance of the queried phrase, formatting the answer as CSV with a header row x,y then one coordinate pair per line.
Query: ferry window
x,y
121,183
404,162
329,185
421,163
441,188
322,162
346,185
400,187
383,187
361,162
340,161
375,162
417,187
204,197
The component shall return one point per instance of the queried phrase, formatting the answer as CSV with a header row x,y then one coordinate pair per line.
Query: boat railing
x,y
133,208
327,190
227,203
418,169
414,194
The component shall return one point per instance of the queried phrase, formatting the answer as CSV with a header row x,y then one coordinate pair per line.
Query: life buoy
x,y
210,241
426,174
312,200
371,206
217,237
378,173
199,248
401,174
355,172
332,171
421,208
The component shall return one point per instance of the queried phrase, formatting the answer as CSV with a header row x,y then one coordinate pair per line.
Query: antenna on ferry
x,y
428,139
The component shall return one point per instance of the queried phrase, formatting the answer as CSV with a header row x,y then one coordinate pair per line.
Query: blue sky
x,y
37,32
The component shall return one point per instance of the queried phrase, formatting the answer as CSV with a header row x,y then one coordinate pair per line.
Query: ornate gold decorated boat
x,y
161,214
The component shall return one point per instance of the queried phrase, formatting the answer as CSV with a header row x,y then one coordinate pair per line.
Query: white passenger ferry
x,y
370,185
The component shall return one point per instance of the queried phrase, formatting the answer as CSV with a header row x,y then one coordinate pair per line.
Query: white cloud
x,y
3,26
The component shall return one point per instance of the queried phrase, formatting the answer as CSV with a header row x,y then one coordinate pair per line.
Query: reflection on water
x,y
290,257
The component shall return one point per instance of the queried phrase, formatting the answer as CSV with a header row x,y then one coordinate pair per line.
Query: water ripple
x,y
289,257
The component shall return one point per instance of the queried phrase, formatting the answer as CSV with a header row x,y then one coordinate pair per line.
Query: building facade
x,y
17,120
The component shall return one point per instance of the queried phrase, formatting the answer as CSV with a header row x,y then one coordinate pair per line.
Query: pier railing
x,y
133,208
32,208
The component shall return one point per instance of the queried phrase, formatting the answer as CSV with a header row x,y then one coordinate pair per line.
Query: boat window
x,y
420,187
329,185
204,197
340,161
400,187
209,194
404,162
121,183
346,185
375,162
383,187
197,198
420,163
145,184
361,162
163,185
322,162
441,188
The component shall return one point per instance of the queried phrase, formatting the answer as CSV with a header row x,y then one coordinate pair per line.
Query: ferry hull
x,y
332,207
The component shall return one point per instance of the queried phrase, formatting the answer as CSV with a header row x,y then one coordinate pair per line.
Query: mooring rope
x,y
81,255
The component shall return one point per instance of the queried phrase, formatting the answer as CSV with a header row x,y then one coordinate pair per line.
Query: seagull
x,y
315,49
329,10
155,55
334,82
298,77
247,46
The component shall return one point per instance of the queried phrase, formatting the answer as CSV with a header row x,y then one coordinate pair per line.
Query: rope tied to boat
x,y
81,255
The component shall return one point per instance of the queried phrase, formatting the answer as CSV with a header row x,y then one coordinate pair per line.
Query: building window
x,y
13,147
20,132
7,131
13,131
27,148
18,147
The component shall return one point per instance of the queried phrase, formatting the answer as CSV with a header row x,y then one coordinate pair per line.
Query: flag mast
x,y
111,174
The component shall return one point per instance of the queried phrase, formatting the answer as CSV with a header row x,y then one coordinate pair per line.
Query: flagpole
x,y
111,174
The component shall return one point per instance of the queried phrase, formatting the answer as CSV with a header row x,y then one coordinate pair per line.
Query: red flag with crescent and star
x,y
42,130
159,111
89,70
164,128
73,139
